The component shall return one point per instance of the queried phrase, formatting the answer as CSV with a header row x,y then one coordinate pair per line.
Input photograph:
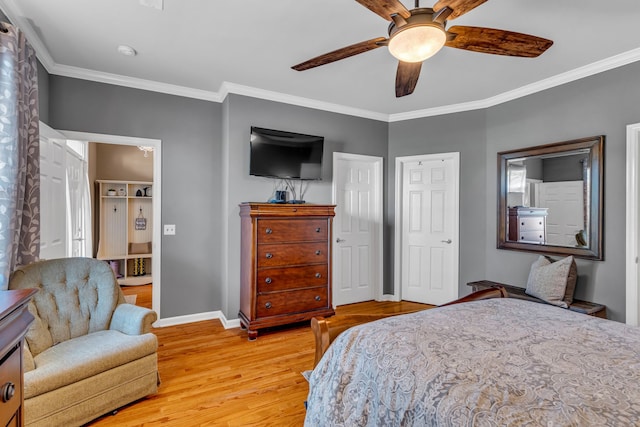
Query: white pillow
x,y
548,280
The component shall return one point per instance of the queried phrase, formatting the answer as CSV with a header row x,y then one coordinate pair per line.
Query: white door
x,y
565,218
427,222
357,228
53,184
78,201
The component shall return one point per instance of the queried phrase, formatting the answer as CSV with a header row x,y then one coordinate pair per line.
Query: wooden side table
x,y
579,306
14,322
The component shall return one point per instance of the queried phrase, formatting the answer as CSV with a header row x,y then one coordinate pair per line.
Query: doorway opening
x,y
154,150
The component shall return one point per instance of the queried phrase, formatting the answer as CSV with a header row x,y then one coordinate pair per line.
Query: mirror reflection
x,y
550,198
547,199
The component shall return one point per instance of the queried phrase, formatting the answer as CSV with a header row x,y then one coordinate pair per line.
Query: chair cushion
x,y
76,296
82,357
548,280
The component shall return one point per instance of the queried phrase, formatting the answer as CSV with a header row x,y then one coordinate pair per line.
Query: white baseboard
x,y
389,297
198,317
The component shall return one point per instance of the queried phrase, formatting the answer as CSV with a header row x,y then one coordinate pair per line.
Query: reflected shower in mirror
x,y
550,198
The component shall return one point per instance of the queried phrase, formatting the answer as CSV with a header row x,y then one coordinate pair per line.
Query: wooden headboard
x,y
325,330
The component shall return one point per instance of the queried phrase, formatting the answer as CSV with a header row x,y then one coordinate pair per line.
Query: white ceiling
x,y
207,48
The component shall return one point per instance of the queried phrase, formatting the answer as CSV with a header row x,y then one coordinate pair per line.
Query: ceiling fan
x,y
419,33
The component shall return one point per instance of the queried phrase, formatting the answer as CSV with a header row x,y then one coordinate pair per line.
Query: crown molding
x,y
135,83
610,63
10,8
299,101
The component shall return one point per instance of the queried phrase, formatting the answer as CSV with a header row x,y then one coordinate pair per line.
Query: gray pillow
x,y
548,280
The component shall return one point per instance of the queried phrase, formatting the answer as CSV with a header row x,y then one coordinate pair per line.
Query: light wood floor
x,y
215,377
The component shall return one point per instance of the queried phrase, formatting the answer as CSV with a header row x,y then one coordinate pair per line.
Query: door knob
x,y
339,240
448,241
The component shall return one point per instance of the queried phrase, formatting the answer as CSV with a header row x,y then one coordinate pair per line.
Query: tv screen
x,y
280,154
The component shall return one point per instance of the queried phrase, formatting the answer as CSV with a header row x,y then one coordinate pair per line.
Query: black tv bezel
x,y
259,130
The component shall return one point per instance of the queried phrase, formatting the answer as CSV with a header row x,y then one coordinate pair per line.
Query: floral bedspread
x,y
497,362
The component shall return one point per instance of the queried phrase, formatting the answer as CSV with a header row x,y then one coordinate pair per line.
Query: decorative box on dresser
x,y
285,272
14,322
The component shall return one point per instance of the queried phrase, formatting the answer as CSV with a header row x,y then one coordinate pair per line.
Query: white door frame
x,y
377,282
156,202
633,216
397,265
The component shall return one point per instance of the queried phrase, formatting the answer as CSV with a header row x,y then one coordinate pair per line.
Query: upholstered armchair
x,y
87,352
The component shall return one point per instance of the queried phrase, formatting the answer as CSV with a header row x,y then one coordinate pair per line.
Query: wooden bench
x,y
585,307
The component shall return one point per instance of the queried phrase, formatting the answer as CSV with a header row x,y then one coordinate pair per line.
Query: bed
x,y
492,362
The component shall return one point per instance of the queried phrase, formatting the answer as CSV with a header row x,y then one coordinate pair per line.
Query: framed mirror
x,y
550,198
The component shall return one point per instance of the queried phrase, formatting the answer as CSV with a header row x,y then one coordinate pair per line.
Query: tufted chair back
x,y
76,296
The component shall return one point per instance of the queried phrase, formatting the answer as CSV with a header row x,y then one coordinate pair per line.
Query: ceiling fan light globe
x,y
417,43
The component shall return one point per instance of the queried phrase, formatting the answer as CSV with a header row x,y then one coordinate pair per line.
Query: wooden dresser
x,y
14,322
285,274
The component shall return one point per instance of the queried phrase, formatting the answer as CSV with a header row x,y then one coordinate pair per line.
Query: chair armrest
x,y
132,320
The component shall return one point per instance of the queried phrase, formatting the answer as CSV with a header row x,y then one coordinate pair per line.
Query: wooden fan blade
x,y
339,54
459,7
497,42
386,8
407,77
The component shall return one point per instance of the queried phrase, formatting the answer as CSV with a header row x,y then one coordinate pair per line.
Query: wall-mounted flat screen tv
x,y
287,155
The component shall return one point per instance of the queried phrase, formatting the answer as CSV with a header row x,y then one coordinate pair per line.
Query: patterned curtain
x,y
19,153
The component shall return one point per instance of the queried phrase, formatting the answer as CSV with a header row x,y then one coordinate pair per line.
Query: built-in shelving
x,y
126,229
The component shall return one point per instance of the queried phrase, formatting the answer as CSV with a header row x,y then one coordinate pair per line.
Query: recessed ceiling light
x,y
127,50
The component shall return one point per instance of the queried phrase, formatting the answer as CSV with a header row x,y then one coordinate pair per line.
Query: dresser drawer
x,y
287,302
531,237
531,224
292,230
279,279
11,373
275,255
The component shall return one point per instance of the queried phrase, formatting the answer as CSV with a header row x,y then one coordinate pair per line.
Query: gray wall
x,y
342,134
191,135
566,168
205,173
598,105
464,133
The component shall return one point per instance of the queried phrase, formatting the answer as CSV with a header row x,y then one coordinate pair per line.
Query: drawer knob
x,y
318,230
317,298
522,223
318,252
269,255
268,280
318,275
269,231
268,305
8,391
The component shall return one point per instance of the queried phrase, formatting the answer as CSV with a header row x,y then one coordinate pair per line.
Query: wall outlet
x,y
169,229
